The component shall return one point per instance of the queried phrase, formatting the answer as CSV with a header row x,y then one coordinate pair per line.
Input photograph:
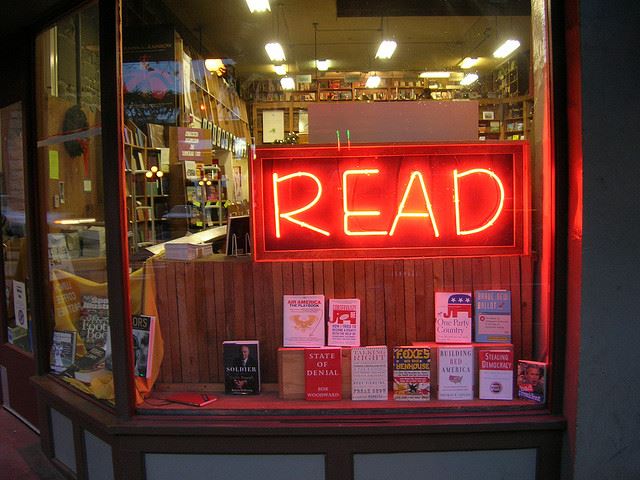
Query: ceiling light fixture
x,y
469,79
280,69
373,81
257,6
215,65
506,48
435,75
386,49
469,62
275,52
287,83
322,65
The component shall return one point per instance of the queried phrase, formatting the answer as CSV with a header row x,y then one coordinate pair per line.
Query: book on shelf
x,y
453,317
192,399
343,324
186,251
303,320
63,350
144,327
492,315
411,373
94,321
495,374
455,372
369,373
323,373
90,366
241,359
532,377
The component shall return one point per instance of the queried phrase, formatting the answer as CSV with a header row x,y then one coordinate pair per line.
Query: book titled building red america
x,y
323,374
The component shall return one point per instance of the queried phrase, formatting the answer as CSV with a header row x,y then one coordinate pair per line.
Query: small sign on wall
x,y
272,126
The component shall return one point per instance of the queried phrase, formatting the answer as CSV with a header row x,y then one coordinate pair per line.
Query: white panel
x,y
99,458
475,465
234,467
62,434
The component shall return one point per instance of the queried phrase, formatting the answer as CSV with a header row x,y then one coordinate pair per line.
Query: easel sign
x,y
238,235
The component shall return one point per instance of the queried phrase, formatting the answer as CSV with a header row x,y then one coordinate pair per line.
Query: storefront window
x,y
69,141
393,187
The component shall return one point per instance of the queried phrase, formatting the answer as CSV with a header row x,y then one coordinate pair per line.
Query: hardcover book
x,y
492,315
455,373
143,334
532,380
94,321
369,375
343,328
411,373
303,321
322,374
241,367
63,350
495,374
453,317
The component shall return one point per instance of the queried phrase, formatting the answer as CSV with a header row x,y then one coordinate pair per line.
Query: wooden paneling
x,y
203,303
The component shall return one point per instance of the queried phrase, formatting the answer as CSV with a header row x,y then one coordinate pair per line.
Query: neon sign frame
x,y
314,202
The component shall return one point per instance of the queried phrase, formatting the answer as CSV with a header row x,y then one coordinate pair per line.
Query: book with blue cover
x,y
492,315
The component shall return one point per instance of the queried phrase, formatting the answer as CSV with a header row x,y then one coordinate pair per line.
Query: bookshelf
x,y
505,118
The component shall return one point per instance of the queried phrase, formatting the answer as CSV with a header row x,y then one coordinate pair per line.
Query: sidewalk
x,y
20,454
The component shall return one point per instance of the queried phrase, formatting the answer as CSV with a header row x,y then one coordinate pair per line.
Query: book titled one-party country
x,y
241,367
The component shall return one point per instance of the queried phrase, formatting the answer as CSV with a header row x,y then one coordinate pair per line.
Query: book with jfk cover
x,y
322,374
241,367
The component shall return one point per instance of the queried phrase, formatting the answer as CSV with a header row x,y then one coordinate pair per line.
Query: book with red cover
x,y
323,374
192,399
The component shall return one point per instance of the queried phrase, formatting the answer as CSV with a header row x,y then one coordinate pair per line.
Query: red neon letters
x,y
389,201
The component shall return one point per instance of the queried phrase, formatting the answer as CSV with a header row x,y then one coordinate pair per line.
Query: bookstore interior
x,y
326,210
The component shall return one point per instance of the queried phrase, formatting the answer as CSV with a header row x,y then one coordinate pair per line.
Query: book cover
x,y
63,350
241,367
20,304
495,374
192,399
455,373
343,324
94,321
532,380
453,317
411,373
492,315
143,334
322,374
90,366
369,375
303,321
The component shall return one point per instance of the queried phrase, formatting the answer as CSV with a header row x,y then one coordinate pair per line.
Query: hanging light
x,y
257,6
280,69
322,65
506,48
469,79
373,81
275,52
468,62
287,83
386,49
435,75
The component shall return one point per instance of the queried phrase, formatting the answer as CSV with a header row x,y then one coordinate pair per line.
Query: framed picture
x,y
488,115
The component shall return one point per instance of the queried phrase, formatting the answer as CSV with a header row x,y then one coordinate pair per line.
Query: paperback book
x,y
343,327
455,373
322,374
495,374
94,321
411,373
63,350
369,373
144,327
241,367
303,321
532,380
453,317
492,314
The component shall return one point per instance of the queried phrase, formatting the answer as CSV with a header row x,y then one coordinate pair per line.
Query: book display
x,y
532,380
411,373
241,361
492,316
343,327
303,321
63,350
455,373
495,374
453,317
323,374
144,327
369,373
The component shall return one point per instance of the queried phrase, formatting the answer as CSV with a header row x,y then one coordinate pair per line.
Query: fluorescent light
x,y
469,79
469,62
280,69
373,81
386,49
287,83
322,65
74,221
435,75
275,52
506,48
258,6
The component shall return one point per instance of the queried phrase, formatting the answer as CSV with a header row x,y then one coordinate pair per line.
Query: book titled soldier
x,y
532,380
492,315
369,380
495,374
322,374
411,373
344,322
241,367
453,317
303,321
143,334
455,373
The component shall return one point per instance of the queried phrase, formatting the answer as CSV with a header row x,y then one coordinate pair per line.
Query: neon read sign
x,y
388,201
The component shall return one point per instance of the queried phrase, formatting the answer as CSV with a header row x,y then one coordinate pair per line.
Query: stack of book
x,y
186,251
